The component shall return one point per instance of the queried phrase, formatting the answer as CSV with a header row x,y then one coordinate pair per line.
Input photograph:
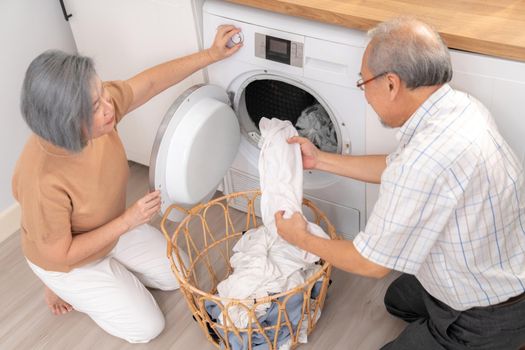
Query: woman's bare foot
x,y
55,304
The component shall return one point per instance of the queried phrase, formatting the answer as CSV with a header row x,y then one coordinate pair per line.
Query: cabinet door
x,y
126,36
500,85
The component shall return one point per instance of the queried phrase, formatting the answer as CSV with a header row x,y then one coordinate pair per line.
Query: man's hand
x,y
309,152
339,252
218,49
293,230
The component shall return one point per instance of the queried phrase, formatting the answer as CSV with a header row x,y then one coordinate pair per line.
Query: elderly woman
x,y
93,254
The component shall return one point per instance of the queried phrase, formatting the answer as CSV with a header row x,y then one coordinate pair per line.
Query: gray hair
x,y
412,50
56,100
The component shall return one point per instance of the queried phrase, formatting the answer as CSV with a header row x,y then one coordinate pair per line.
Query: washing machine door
x,y
195,145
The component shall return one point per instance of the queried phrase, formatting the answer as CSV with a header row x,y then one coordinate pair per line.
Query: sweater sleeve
x,y
46,213
121,97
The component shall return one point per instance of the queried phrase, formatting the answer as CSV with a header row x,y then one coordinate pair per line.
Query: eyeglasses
x,y
361,83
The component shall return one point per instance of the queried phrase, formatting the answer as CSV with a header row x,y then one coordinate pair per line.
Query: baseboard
x,y
9,221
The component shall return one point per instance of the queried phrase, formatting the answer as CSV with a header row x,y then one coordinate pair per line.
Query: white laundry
x,y
281,177
263,262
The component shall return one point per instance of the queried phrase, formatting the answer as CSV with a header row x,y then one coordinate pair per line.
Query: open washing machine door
x,y
195,145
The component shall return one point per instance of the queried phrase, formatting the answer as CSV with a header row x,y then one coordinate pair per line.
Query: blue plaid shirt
x,y
451,209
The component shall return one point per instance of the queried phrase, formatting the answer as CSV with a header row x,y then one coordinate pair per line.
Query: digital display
x,y
278,49
279,46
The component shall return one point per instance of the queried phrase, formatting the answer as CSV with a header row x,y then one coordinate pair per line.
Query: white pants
x,y
111,290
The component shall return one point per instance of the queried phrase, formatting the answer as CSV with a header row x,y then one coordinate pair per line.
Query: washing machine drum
x,y
195,145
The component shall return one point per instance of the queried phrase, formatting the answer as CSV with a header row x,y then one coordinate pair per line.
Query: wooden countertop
x,y
490,27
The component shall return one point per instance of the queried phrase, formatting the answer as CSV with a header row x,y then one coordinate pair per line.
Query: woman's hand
x,y
309,152
142,210
218,49
293,229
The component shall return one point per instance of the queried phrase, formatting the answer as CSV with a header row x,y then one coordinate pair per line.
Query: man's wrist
x,y
301,239
320,163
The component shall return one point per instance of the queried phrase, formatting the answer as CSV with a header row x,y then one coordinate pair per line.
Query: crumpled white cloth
x,y
281,177
315,124
263,262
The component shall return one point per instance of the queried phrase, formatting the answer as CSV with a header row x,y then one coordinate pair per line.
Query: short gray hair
x,y
56,100
412,50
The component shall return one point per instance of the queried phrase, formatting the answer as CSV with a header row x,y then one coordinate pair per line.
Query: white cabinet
x,y
127,36
500,85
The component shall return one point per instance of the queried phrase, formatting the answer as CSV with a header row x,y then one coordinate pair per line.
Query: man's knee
x,y
404,298
397,290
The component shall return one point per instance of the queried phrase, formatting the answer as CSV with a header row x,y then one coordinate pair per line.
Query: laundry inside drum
x,y
278,99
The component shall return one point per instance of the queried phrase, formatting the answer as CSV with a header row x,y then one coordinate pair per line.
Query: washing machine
x,y
287,66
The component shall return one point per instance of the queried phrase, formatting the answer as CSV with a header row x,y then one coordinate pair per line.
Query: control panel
x,y
279,50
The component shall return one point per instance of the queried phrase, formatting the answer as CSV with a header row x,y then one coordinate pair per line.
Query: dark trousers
x,y
434,325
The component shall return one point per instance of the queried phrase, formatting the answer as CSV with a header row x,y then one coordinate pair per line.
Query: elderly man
x,y
451,210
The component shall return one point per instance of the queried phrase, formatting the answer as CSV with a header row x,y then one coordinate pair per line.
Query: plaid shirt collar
x,y
422,115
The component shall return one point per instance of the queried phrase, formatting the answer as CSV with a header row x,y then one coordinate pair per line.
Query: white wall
x,y
27,28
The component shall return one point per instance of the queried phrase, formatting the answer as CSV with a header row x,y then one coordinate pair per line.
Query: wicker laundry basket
x,y
209,255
